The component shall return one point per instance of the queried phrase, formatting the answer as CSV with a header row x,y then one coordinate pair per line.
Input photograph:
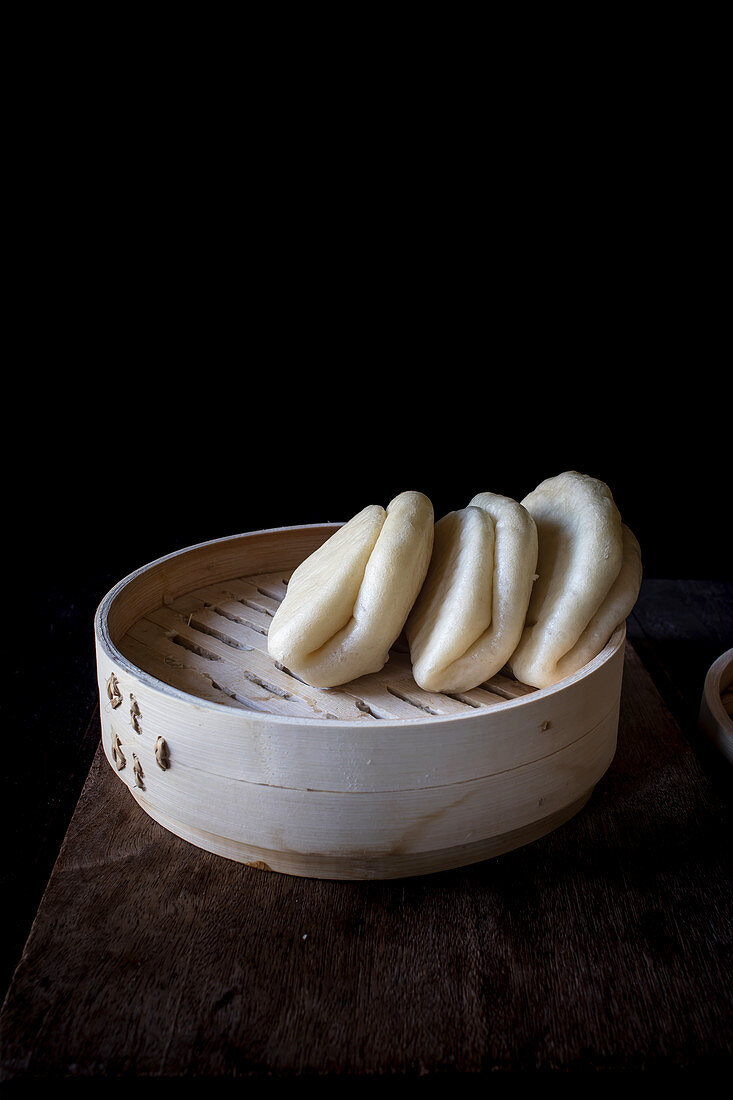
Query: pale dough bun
x,y
469,615
347,603
589,569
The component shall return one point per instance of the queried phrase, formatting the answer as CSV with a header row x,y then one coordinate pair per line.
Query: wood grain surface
x,y
605,945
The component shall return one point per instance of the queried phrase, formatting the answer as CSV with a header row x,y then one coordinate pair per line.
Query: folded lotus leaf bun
x,y
469,616
347,603
589,576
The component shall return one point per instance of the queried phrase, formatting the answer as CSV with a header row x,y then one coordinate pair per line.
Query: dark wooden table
x,y
604,946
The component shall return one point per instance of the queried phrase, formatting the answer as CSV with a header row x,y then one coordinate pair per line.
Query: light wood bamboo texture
x,y
716,704
375,779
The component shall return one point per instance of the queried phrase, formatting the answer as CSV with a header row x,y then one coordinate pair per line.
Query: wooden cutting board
x,y
603,945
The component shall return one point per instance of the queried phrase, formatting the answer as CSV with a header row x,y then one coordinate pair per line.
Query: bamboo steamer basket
x,y
376,779
716,704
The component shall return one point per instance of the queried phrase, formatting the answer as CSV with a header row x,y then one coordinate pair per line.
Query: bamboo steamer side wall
x,y
305,821
713,718
336,756
363,864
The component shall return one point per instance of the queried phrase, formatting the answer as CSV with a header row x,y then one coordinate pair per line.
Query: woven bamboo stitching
x,y
113,691
161,753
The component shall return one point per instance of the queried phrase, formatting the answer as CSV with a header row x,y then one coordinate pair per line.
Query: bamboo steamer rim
x,y
108,647
713,717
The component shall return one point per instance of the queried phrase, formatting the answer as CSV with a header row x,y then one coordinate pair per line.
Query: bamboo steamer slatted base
x,y
376,779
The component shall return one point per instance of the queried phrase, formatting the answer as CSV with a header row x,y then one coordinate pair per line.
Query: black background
x,y
175,395
135,471
212,333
